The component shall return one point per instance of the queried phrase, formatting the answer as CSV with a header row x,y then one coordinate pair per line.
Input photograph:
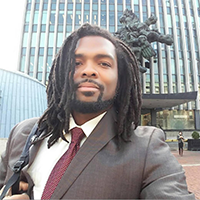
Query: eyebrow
x,y
97,56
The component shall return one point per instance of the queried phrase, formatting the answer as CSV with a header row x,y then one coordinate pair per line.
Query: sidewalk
x,y
191,164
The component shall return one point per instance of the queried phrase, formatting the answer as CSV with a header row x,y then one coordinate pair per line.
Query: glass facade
x,y
175,69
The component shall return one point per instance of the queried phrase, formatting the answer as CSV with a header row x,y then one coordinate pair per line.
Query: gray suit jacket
x,y
106,167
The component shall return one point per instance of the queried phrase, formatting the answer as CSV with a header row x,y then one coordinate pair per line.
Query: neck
x,y
81,118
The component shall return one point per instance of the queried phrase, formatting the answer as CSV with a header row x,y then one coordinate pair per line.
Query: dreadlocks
x,y
60,87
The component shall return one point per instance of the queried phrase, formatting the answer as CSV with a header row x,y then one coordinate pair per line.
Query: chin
x,y
87,107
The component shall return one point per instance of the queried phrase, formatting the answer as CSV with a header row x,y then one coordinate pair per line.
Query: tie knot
x,y
77,135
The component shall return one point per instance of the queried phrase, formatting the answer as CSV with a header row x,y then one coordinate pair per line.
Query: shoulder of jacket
x,y
147,131
25,126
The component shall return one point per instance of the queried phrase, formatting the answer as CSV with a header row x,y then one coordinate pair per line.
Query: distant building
x,y
175,70
21,97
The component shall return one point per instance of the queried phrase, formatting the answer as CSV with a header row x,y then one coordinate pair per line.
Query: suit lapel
x,y
100,136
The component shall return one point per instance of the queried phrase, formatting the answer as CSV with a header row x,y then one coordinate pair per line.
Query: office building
x,y
172,83
21,97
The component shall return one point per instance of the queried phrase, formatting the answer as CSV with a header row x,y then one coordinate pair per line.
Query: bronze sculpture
x,y
139,36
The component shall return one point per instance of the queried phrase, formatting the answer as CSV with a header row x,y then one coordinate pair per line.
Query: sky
x,y
11,20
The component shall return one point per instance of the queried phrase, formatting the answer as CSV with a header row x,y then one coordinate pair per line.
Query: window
x,y
52,18
27,17
37,6
26,28
78,6
43,28
44,17
42,39
61,18
25,39
53,6
51,40
28,6
45,6
69,6
34,28
95,7
61,6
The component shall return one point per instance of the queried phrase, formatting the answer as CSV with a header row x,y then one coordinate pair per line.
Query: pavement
x,y
190,162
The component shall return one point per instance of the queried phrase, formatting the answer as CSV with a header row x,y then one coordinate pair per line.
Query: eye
x,y
78,63
105,64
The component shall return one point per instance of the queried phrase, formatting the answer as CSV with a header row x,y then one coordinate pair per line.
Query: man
x,y
180,139
94,85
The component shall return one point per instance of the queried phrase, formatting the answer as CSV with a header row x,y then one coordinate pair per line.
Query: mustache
x,y
101,87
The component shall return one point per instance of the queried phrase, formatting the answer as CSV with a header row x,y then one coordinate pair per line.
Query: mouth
x,y
88,87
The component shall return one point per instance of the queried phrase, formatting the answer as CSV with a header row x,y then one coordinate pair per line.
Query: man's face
x,y
96,71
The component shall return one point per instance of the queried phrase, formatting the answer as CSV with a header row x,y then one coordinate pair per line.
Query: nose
x,y
89,71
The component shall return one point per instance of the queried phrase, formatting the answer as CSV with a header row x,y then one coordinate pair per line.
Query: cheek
x,y
112,86
76,74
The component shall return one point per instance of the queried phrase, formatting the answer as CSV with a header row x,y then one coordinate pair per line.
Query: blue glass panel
x,y
27,16
103,18
26,28
61,6
44,17
60,28
86,6
23,58
34,28
86,16
68,28
70,6
111,7
51,40
35,20
41,51
28,6
111,29
42,39
95,17
59,39
112,18
60,18
52,17
37,6
103,6
69,17
39,76
78,6
51,27
53,6
50,51
95,7
43,27
40,63
24,51
25,40
45,6
31,65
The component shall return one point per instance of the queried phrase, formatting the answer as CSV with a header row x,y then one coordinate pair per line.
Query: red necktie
x,y
62,164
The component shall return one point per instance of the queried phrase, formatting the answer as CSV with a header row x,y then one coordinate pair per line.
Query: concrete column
x,y
153,117
197,119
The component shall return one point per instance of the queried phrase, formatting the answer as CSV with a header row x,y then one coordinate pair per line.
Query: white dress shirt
x,y
46,159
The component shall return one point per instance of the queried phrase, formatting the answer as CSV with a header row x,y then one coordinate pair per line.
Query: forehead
x,y
95,43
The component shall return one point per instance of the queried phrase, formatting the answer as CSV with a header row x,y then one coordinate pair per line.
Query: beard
x,y
91,107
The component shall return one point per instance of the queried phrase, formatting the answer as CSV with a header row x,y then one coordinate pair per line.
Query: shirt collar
x,y
88,126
